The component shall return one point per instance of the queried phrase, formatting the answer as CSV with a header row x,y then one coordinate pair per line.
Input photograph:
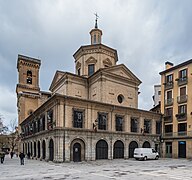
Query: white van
x,y
145,153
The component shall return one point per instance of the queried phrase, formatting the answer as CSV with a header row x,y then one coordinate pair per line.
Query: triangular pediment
x,y
58,75
123,71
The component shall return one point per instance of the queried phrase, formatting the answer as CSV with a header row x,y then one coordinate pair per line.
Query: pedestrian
x,y
22,156
2,156
11,154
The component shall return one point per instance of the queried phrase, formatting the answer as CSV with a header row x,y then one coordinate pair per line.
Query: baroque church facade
x,y
92,114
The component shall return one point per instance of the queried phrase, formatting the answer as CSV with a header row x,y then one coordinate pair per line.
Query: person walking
x,y
2,156
11,154
22,156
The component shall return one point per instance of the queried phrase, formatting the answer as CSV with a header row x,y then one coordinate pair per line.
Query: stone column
x,y
67,148
126,149
88,148
47,149
58,148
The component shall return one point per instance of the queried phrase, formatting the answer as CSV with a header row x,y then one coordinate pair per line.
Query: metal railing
x,y
182,81
168,118
168,85
178,134
169,102
181,116
182,99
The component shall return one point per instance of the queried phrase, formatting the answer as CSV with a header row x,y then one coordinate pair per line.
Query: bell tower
x,y
27,89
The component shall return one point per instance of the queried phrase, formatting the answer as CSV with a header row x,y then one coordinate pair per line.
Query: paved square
x,y
162,169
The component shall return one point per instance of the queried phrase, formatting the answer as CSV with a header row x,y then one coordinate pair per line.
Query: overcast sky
x,y
146,34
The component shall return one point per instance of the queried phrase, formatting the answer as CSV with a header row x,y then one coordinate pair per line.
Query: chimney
x,y
168,65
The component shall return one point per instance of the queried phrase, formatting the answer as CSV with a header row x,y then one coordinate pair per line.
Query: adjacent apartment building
x,y
87,115
176,107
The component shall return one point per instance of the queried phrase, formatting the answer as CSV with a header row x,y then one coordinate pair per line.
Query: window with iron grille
x,y
134,124
158,127
50,119
147,126
102,121
119,123
77,119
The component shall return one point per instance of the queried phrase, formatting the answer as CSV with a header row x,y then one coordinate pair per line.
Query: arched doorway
x,y
101,150
34,149
43,149
51,150
38,150
146,144
77,152
132,147
118,150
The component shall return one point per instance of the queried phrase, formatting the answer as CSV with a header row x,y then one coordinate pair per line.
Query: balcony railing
x,y
182,81
168,118
182,99
169,102
181,116
168,85
178,134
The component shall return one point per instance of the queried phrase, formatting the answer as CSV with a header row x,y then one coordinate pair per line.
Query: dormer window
x,y
29,77
91,69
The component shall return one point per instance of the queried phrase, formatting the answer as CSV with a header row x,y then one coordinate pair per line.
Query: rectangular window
x,y
91,69
169,128
183,73
50,119
182,109
78,119
158,127
169,94
169,112
119,123
43,122
147,126
182,91
159,93
182,127
169,78
134,124
102,121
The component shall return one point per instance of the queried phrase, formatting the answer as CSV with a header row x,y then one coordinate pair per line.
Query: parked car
x,y
145,153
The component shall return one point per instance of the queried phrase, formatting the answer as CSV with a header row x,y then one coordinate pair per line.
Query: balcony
x,y
182,81
168,134
178,134
181,116
182,99
169,102
168,118
168,85
182,133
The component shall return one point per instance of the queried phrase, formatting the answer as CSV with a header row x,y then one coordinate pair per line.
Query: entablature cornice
x,y
98,48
